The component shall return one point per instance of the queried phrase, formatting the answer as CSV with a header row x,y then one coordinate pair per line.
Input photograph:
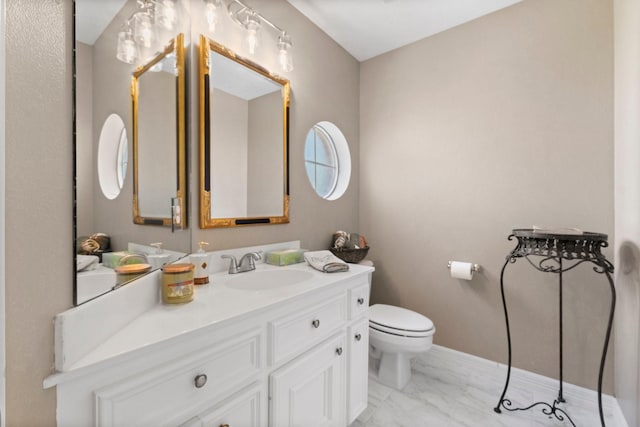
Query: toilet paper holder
x,y
474,267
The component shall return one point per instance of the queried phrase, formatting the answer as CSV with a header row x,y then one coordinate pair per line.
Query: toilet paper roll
x,y
461,270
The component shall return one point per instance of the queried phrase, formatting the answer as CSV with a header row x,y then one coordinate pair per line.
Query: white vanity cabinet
x,y
310,391
280,360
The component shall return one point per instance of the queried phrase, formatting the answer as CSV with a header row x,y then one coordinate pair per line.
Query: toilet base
x,y
394,370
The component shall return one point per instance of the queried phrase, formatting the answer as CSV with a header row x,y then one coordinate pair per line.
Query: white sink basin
x,y
267,279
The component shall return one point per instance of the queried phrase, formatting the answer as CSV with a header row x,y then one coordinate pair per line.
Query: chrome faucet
x,y
247,262
127,257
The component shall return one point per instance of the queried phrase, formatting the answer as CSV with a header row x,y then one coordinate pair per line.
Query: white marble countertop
x,y
213,303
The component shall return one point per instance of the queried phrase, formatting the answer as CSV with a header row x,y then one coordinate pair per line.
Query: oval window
x,y
327,160
113,156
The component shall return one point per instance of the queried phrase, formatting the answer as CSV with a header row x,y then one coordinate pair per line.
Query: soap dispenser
x,y
201,260
159,258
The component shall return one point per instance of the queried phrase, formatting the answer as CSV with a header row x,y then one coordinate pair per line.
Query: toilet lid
x,y
389,318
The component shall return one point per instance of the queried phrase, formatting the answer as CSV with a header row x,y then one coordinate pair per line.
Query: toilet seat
x,y
399,321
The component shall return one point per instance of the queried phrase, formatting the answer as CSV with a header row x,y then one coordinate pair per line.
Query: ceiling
x,y
365,28
93,16
368,28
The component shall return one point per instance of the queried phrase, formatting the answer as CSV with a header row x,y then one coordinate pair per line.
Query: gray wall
x,y
501,123
229,116
38,174
265,177
627,206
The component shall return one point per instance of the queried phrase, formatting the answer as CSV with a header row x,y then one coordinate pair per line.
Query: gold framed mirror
x,y
244,141
158,90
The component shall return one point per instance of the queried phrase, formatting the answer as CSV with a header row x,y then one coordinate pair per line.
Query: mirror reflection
x,y
243,142
103,87
113,155
157,92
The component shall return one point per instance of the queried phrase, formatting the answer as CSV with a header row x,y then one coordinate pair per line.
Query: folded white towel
x,y
87,262
325,261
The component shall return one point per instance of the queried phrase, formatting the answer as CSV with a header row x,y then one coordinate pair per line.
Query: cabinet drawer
x,y
175,389
295,332
358,300
247,409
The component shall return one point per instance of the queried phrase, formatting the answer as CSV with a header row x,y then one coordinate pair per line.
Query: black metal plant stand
x,y
554,249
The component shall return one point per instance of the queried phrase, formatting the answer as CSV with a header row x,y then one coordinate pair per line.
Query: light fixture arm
x,y
244,10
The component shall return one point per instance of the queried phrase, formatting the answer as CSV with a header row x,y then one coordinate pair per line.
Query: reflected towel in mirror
x,y
87,262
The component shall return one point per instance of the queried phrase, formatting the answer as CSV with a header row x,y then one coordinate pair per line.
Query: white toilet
x,y
396,335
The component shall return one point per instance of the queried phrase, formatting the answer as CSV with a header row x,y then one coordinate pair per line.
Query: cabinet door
x,y
310,390
358,352
246,409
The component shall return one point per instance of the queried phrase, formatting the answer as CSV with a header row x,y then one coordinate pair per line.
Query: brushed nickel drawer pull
x,y
200,380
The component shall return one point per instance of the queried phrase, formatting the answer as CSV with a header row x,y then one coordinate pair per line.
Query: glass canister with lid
x,y
177,283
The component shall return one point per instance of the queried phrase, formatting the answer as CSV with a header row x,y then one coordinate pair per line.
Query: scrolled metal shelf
x,y
555,249
549,410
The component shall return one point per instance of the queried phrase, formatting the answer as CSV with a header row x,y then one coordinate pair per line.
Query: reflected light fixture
x,y
166,14
140,30
212,13
251,20
126,50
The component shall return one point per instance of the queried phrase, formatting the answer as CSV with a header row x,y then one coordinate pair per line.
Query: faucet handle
x,y
233,265
247,263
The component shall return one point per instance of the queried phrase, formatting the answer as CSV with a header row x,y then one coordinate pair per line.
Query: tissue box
x,y
286,257
112,259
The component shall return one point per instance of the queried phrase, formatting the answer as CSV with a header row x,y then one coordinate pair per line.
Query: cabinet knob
x,y
360,301
224,425
358,337
339,351
200,380
315,323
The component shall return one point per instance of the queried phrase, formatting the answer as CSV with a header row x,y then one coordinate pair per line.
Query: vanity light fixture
x,y
141,28
284,52
251,20
252,25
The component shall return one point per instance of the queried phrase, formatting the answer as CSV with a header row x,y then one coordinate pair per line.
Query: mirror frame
x,y
175,45
206,221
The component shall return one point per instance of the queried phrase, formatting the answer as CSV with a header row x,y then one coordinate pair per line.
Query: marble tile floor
x,y
453,389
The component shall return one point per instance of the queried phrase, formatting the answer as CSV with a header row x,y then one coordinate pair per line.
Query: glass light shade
x,y
284,52
252,25
126,50
212,13
166,14
143,29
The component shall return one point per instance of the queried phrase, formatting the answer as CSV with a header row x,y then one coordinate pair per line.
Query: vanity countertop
x,y
215,303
